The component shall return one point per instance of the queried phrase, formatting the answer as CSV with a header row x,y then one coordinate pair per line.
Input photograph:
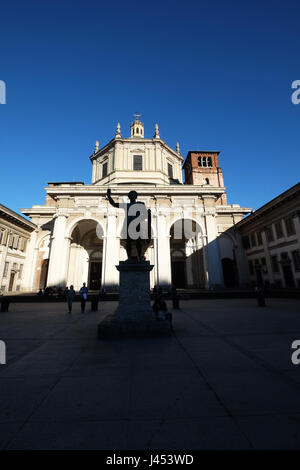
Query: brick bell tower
x,y
201,168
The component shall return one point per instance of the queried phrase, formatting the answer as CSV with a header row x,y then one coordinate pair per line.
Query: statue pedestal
x,y
134,314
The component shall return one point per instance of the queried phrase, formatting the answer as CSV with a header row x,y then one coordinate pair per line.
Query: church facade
x,y
78,234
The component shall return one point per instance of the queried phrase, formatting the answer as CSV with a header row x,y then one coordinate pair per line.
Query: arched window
x,y
209,161
137,130
206,181
199,161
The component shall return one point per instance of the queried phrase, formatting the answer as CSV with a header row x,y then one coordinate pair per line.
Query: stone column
x,y
111,251
3,254
267,255
163,258
94,171
59,253
30,264
212,252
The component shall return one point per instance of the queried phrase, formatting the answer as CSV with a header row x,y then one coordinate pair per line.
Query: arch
x,y
187,270
73,223
86,236
181,217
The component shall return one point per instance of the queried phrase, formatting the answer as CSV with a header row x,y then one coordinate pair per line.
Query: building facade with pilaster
x,y
15,234
270,237
79,234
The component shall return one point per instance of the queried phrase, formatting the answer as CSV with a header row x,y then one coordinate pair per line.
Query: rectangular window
x,y
263,261
3,288
18,287
104,170
137,162
5,271
20,243
289,225
278,229
15,266
170,170
275,265
253,240
269,234
10,240
4,239
259,238
15,241
296,259
20,271
246,242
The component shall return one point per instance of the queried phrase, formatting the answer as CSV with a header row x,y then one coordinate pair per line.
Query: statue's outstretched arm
x,y
112,202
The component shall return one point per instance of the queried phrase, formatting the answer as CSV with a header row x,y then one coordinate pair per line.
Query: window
x,y
18,287
15,241
15,266
296,259
251,268
289,225
246,242
20,243
263,261
269,234
259,238
170,170
4,239
204,161
20,271
284,255
104,170
137,162
206,181
278,229
5,269
10,240
3,288
253,240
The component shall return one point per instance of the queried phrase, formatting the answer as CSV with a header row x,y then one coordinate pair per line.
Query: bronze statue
x,y
138,223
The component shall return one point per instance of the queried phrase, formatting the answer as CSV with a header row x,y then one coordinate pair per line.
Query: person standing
x,y
70,297
83,297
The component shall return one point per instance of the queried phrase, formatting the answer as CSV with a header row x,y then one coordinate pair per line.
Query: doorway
x,y
11,281
288,276
228,272
178,273
95,275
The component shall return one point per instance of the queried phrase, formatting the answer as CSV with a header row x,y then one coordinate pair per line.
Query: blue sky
x,y
214,75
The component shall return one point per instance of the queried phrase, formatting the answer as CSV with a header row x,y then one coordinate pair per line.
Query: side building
x,y
270,237
15,233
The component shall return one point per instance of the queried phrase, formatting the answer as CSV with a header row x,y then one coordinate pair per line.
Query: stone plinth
x,y
134,314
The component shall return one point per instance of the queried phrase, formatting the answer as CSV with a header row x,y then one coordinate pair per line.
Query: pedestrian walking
x,y
70,297
83,297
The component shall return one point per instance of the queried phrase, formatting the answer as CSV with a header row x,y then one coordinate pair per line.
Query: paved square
x,y
224,380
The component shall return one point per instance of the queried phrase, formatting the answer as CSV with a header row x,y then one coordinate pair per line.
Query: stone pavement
x,y
224,380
